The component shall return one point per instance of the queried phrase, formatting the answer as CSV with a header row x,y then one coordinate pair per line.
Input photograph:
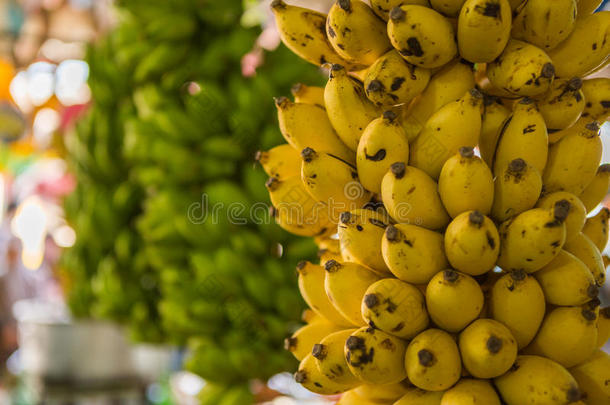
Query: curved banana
x,y
596,228
351,397
466,183
597,97
573,161
453,126
281,162
392,81
563,105
383,7
348,108
411,197
596,191
417,396
305,94
545,24
471,391
517,189
583,248
355,32
383,393
592,377
302,341
310,377
345,285
328,249
483,29
383,142
523,136
330,360
576,216
307,125
472,243
522,69
422,36
494,116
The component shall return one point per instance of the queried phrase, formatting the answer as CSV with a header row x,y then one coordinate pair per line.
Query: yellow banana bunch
x,y
597,95
592,377
563,105
310,377
281,162
303,93
383,7
597,189
583,248
382,393
517,188
545,24
576,216
329,358
302,341
596,228
494,116
471,391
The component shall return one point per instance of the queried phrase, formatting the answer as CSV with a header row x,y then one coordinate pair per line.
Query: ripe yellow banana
x,y
345,285
523,136
348,108
382,393
586,49
412,253
472,243
356,33
311,286
383,7
360,234
584,248
573,161
302,341
517,301
310,377
603,327
517,188
303,93
417,396
411,197
577,215
433,360
447,85
281,162
330,360
307,125
596,228
383,142
587,6
494,116
522,69
545,24
328,249
376,357
392,81
533,238
395,307
568,335
422,36
470,391
466,183
563,105
455,125
597,189
597,96
449,8
483,29
537,380
566,281
592,377
351,397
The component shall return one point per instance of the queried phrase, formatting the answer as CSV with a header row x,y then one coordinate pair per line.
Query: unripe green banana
x,y
545,24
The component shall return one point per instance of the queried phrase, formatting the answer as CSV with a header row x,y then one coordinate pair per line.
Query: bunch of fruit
x,y
446,172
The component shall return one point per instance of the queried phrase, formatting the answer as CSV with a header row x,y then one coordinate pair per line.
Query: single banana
x,y
568,335
351,397
433,360
517,189
516,300
522,69
573,161
376,357
411,196
328,249
383,142
588,6
383,7
348,108
360,233
596,190
592,377
470,392
281,162
356,33
345,285
422,36
472,243
586,49
533,238
455,125
302,341
305,94
307,125
537,380
494,116
603,327
330,360
412,253
523,136
395,307
545,24
583,248
577,215
392,81
417,396
483,29
596,229
563,105
447,85
382,393
311,286
566,281
597,96
310,377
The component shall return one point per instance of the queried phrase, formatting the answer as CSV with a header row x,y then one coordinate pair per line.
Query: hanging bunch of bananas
x,y
449,172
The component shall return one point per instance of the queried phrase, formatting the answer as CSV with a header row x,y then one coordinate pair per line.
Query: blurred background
x,y
112,124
